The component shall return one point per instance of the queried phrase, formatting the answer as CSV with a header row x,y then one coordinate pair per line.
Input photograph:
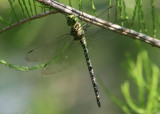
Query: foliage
x,y
28,8
145,76
21,68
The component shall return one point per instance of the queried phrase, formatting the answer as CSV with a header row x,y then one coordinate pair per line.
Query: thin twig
x,y
102,23
27,20
21,68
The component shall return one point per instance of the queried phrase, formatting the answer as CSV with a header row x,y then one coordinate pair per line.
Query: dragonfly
x,y
61,46
78,34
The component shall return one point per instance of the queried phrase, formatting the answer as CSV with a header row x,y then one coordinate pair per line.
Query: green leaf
x,y
21,68
11,4
26,8
125,90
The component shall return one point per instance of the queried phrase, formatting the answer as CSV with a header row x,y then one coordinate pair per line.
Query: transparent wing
x,y
48,51
66,58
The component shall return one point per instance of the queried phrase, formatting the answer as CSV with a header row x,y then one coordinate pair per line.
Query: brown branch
x,y
102,23
27,20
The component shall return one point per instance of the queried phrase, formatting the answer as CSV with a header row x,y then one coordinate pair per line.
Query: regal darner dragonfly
x,y
78,34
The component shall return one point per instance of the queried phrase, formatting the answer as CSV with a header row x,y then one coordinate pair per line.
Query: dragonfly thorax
x,y
76,28
77,31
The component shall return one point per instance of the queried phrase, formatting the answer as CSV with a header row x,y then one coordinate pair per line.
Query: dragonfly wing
x,y
64,60
49,50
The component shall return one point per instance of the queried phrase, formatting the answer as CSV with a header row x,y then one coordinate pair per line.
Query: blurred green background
x,y
69,91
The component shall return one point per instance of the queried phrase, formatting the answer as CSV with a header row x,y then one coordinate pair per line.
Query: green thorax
x,y
76,28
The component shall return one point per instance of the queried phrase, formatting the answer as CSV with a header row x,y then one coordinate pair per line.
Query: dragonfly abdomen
x,y
91,71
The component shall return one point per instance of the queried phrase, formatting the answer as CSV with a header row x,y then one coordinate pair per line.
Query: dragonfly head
x,y
71,20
